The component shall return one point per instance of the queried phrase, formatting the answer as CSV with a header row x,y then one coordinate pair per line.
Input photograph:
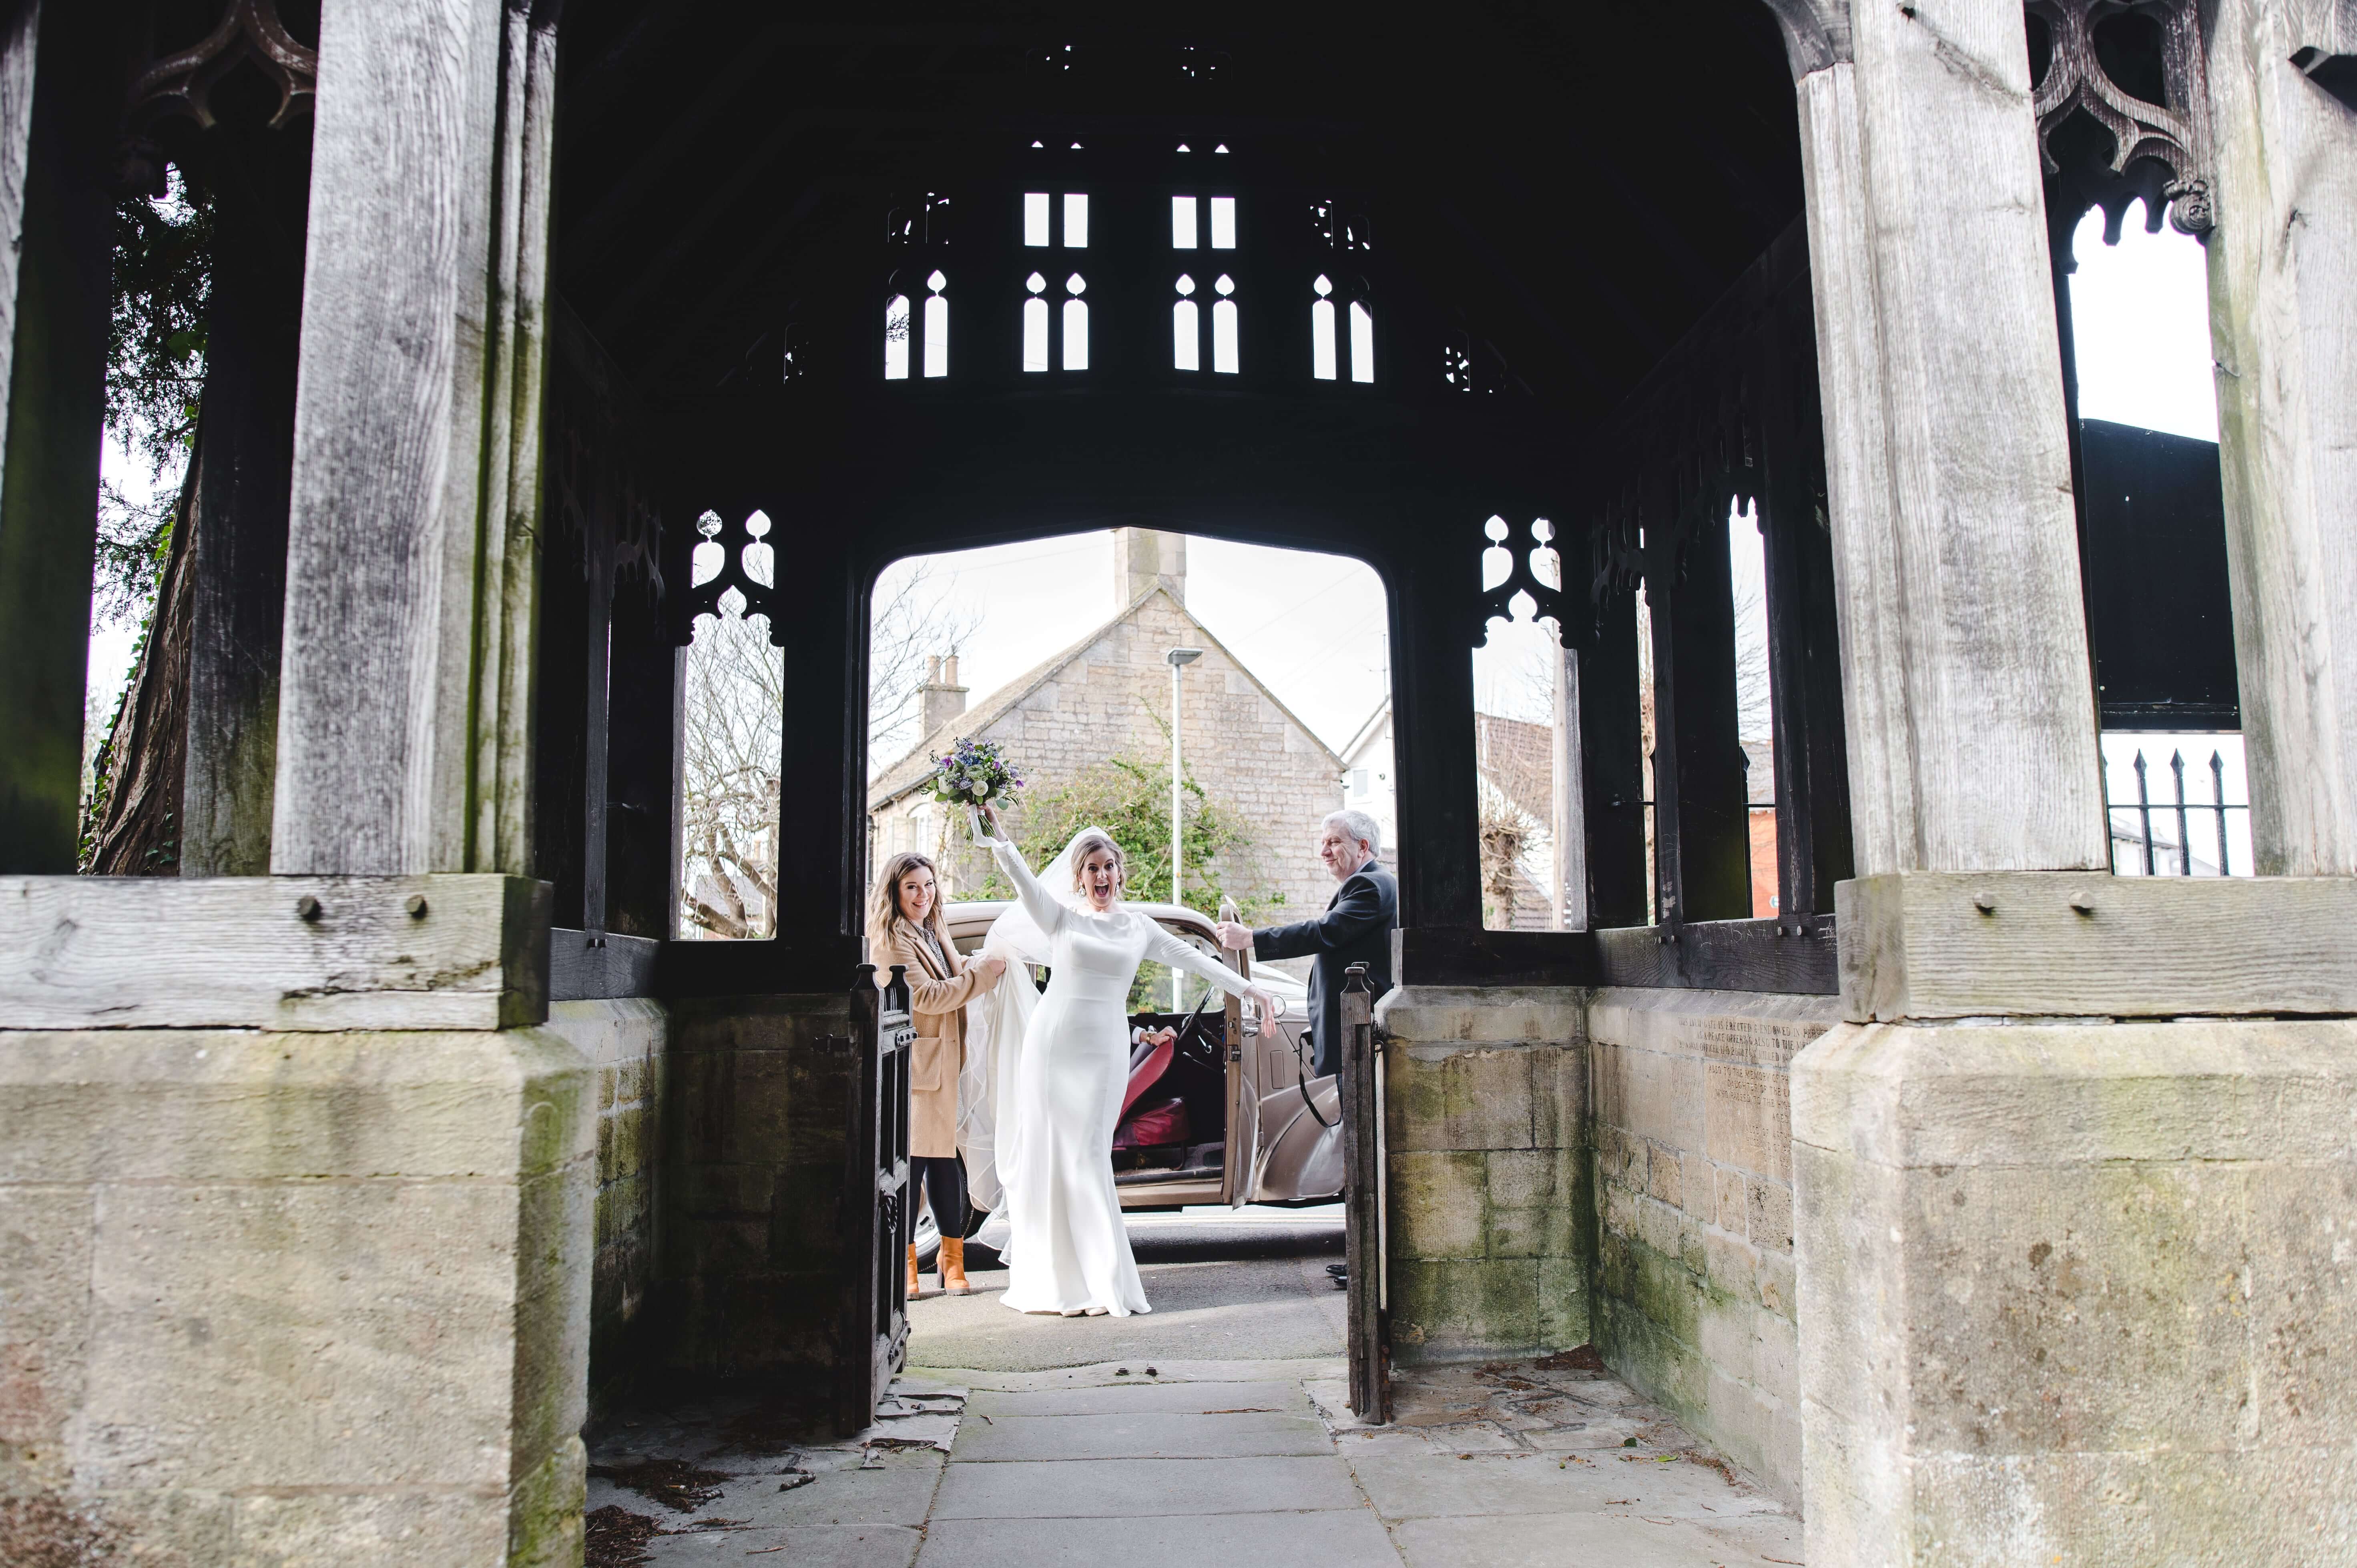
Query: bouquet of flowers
x,y
975,771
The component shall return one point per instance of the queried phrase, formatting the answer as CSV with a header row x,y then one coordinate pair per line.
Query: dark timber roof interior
x,y
1591,176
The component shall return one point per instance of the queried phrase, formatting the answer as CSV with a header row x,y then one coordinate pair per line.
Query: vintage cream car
x,y
1220,1116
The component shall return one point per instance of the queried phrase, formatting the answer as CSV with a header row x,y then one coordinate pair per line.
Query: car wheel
x,y
928,1238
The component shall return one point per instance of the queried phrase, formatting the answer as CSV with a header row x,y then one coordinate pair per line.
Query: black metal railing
x,y
2142,844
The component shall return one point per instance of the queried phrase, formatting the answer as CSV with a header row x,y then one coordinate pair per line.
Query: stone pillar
x,y
2283,261
1490,1242
2068,1197
296,1191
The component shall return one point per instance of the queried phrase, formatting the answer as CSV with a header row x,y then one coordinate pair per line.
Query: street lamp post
x,y
1179,658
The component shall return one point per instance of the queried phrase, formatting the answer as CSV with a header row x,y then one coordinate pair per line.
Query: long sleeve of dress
x,y
1046,910
927,994
1165,948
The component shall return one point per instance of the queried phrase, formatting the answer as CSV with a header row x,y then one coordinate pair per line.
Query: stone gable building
x,y
1109,695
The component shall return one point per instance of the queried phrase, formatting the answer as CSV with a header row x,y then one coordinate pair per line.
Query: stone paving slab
x,y
1195,1399
1351,1537
1608,1541
822,1546
1137,1489
1139,1435
1136,1372
1442,1484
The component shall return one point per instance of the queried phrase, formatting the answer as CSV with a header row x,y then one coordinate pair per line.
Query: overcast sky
x,y
1313,627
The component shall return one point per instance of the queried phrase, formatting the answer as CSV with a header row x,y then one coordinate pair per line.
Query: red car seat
x,y
1143,1123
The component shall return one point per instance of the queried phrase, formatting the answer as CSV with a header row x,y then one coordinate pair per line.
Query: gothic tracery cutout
x,y
181,83
2160,150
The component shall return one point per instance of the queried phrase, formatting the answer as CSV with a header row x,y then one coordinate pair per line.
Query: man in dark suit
x,y
1355,928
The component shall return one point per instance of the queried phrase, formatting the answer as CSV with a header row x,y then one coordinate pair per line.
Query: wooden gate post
x,y
877,1202
57,127
412,551
1970,703
1362,1188
2283,260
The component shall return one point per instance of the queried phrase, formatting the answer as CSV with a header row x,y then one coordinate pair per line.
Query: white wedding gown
x,y
1070,1250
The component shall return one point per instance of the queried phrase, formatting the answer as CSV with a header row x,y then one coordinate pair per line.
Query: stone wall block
x,y
1559,1090
263,1336
1774,1281
1665,1178
1564,1307
1732,1214
1727,1338
1439,1202
1444,1310
2303,1307
554,1281
1743,1422
45,1245
1732,1264
2129,1276
1840,1254
412,1530
1698,1186
1533,1203
1750,1111
545,1523
205,1104
1769,1208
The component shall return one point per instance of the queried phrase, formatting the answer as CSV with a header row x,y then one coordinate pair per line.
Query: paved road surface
x,y
1209,1433
1246,1285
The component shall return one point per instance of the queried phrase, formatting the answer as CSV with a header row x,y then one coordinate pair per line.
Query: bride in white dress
x,y
1060,1075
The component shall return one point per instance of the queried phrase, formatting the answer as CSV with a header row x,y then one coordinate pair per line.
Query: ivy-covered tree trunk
x,y
134,822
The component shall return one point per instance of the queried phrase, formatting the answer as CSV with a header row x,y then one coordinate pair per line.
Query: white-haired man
x,y
1355,928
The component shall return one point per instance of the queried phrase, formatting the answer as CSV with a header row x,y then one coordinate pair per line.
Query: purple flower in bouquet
x,y
975,771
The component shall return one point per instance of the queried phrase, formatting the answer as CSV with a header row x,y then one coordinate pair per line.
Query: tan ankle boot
x,y
953,1267
914,1289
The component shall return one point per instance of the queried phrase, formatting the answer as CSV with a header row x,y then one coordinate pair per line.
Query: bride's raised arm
x,y
1046,910
1165,948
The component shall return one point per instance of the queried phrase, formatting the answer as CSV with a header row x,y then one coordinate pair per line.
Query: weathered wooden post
x,y
2059,1244
57,129
1362,1186
2283,264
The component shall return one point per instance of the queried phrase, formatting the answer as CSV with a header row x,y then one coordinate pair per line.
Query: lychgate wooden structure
x,y
517,303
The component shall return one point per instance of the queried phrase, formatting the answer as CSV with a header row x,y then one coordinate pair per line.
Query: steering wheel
x,y
1190,1028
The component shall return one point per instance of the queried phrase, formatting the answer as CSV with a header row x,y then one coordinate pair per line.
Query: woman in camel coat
x,y
905,926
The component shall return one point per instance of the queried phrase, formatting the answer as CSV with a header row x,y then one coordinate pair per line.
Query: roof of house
x,y
1375,724
915,768
1518,757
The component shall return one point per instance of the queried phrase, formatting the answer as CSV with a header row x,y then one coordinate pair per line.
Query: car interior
x,y
1174,1116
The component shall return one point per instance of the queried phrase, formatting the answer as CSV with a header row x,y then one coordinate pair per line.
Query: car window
x,y
1151,993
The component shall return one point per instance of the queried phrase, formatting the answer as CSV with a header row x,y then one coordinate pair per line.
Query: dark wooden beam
x,y
588,234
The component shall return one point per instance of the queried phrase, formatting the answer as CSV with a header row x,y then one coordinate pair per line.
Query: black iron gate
x,y
1362,1198
875,1341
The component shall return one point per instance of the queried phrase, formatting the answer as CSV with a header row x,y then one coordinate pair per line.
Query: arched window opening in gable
x,y
937,326
896,338
1186,329
1035,325
1322,347
1223,327
1076,324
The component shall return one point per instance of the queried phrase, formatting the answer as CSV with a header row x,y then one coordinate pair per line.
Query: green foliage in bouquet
x,y
975,771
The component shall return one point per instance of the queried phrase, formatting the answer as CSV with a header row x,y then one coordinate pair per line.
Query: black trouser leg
x,y
943,1180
